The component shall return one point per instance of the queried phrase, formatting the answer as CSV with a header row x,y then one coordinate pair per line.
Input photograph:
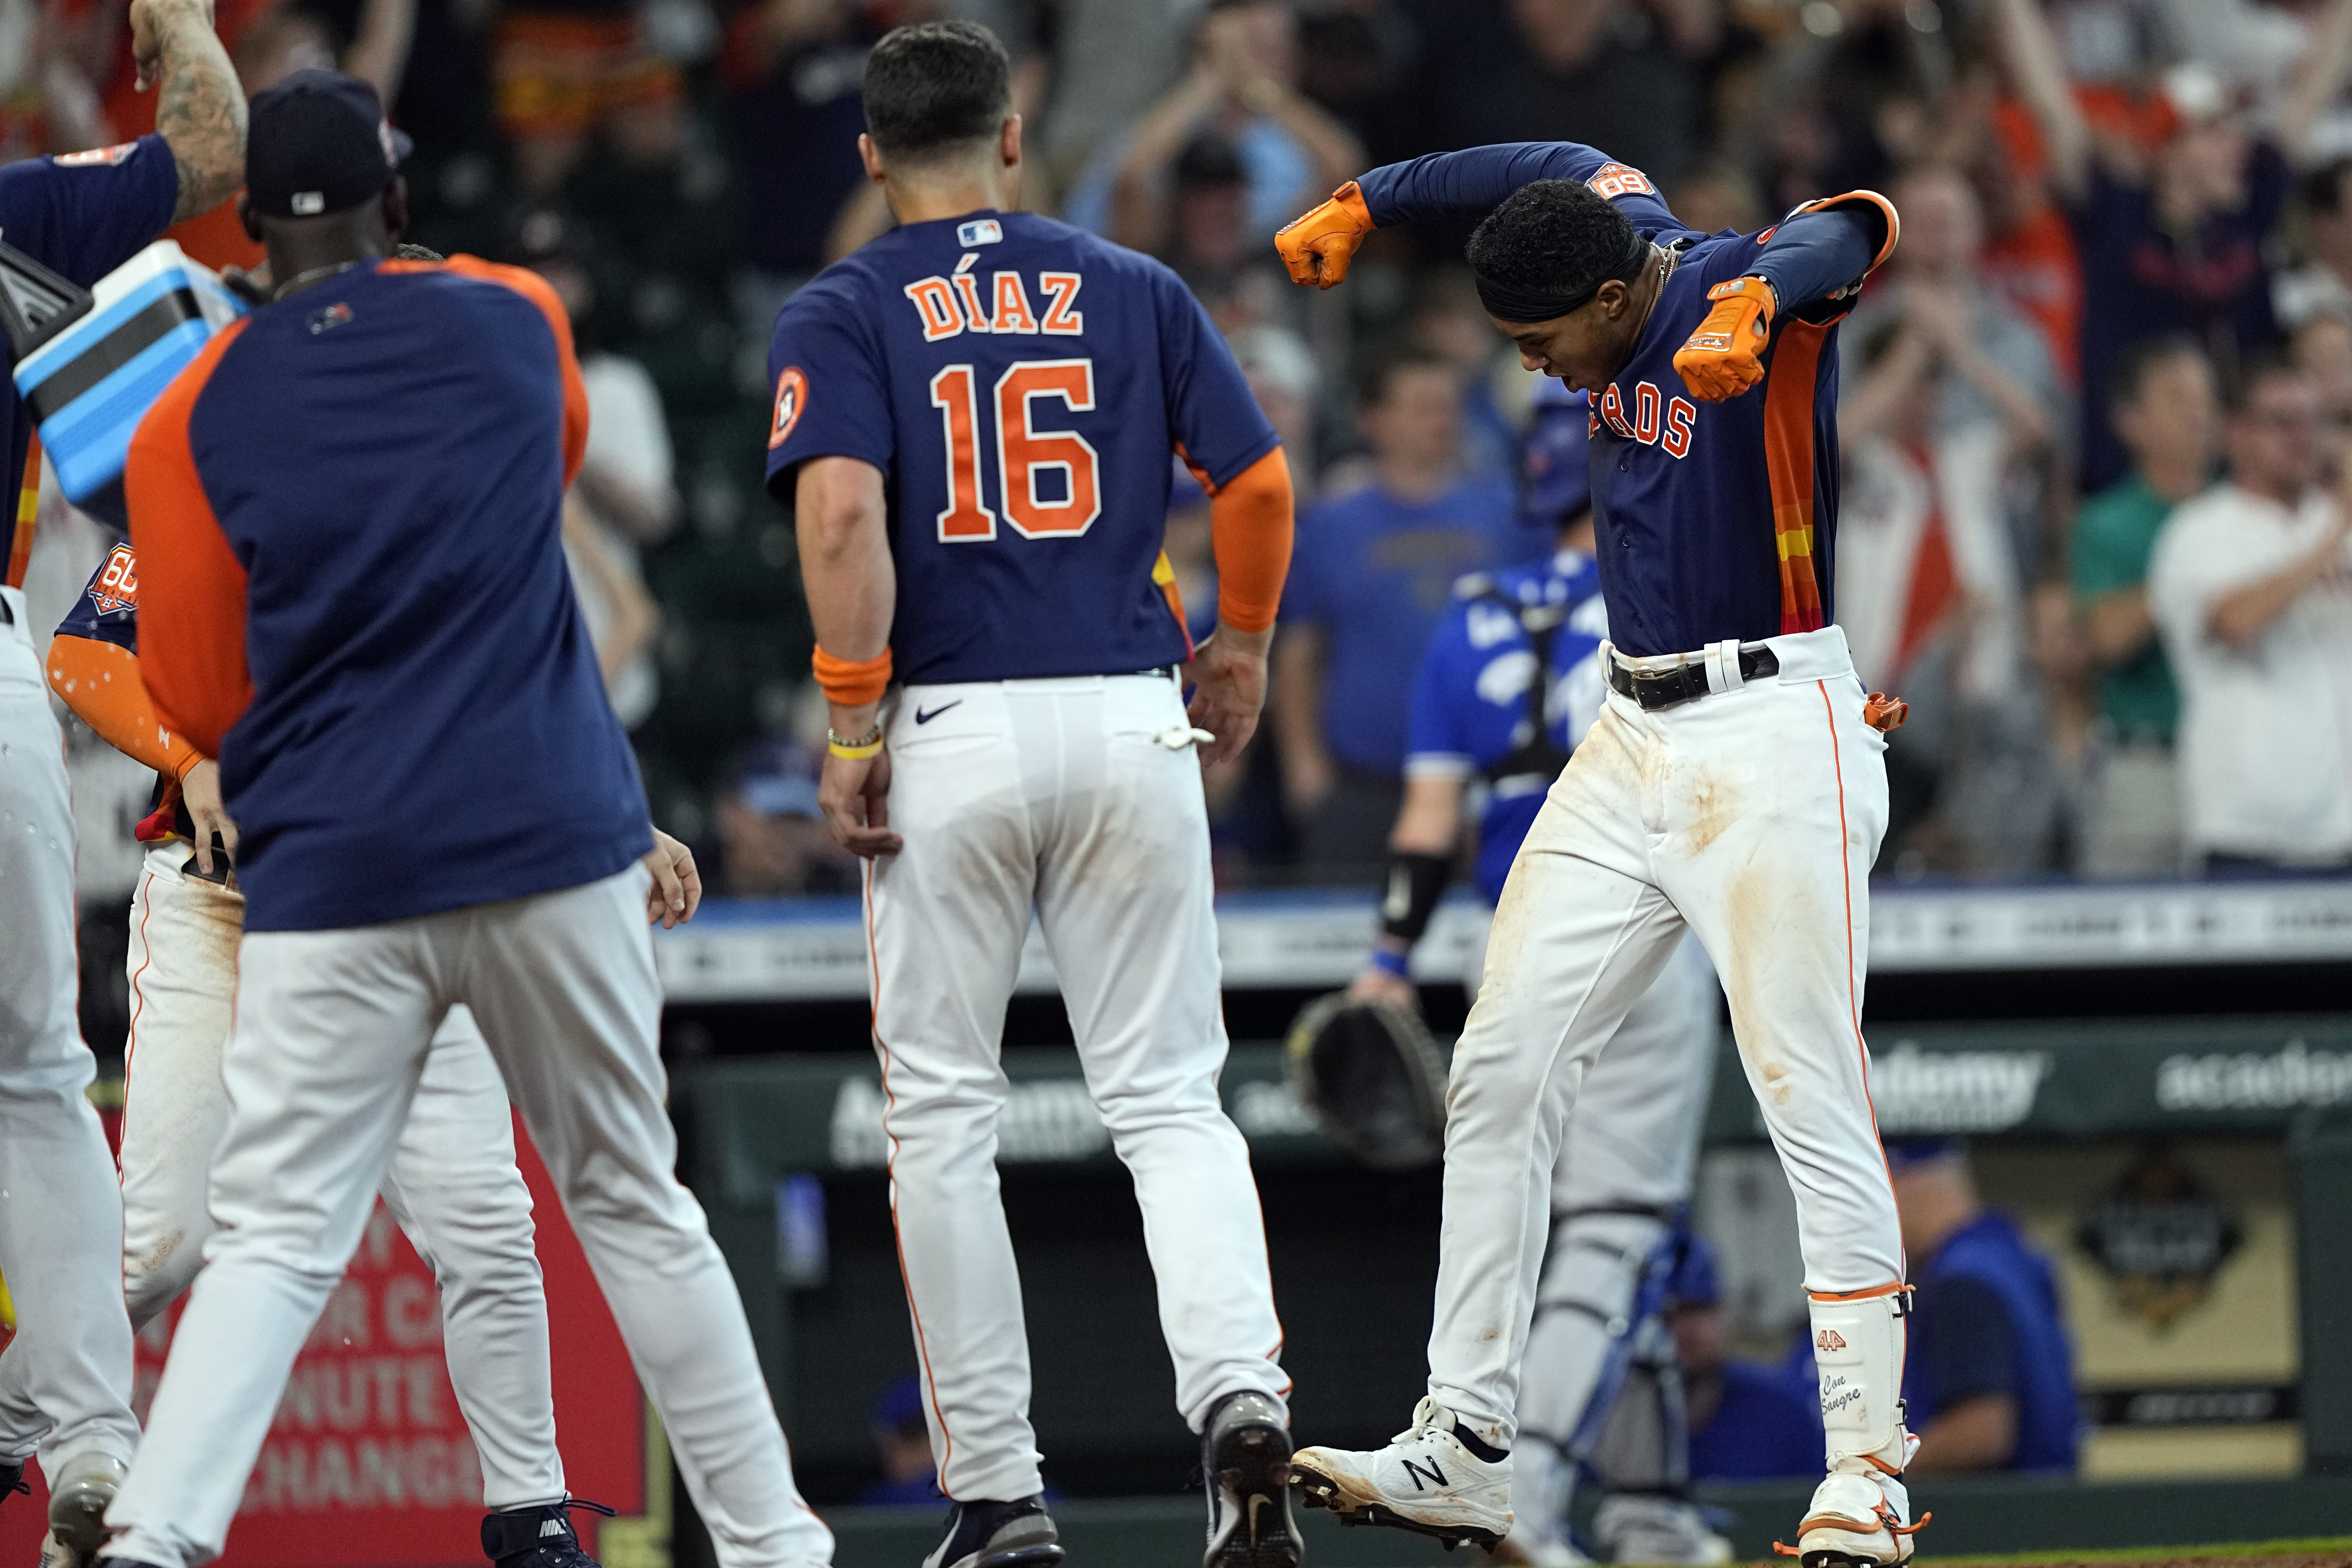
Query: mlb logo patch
x,y
792,397
979,231
333,316
116,586
1614,180
96,157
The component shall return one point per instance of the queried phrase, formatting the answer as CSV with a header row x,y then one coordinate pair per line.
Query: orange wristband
x,y
851,684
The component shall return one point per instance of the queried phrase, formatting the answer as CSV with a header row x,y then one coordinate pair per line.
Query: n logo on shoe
x,y
1437,1477
1829,1339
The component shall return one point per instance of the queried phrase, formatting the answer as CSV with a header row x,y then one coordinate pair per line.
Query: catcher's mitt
x,y
1371,1075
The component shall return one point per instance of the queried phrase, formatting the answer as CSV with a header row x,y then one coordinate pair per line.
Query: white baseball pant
x,y
331,1037
1749,817
65,1379
453,1185
1080,798
1624,1168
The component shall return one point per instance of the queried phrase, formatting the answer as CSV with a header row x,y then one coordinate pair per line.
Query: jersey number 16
x,y
1023,452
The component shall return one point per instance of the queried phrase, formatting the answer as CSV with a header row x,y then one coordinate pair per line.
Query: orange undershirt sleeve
x,y
1250,520
99,681
192,592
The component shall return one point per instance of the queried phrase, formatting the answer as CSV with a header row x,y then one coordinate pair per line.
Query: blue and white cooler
x,y
90,377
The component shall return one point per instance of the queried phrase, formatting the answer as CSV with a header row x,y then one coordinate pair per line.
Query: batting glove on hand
x,y
1725,357
1316,248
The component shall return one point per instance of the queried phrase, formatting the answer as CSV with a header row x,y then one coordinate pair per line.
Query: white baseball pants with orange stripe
x,y
1749,817
453,1184
332,1039
65,1379
1079,799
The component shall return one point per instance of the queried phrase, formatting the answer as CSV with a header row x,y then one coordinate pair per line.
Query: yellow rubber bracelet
x,y
853,752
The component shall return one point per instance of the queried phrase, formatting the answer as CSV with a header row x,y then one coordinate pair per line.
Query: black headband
x,y
1510,302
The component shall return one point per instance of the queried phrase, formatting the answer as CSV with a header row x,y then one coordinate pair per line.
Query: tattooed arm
x,y
199,107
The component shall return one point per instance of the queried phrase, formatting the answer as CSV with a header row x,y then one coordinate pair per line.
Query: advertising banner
x,y
369,1465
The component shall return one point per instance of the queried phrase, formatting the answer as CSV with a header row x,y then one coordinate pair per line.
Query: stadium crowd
x,y
2126,271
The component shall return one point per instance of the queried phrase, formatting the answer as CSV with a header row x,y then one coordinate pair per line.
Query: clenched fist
x,y
1317,247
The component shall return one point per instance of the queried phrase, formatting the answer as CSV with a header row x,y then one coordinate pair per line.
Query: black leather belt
x,y
7,615
1685,682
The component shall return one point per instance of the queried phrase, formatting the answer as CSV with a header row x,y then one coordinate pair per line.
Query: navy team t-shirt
x,y
1375,574
1020,383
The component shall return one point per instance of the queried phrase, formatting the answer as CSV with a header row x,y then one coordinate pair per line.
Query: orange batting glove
x,y
1724,357
1316,248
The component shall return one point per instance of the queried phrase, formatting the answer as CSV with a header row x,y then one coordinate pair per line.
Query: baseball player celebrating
x,y
65,1379
974,416
1510,684
453,1186
417,676
1734,787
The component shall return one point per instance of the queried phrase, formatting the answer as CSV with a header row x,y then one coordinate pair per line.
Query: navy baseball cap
x,y
317,142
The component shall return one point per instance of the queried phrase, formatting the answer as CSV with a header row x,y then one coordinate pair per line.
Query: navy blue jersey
x,y
348,518
81,215
1714,520
1021,385
1989,1322
1470,702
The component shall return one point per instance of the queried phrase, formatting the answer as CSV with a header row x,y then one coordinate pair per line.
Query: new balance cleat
x,y
538,1537
83,1489
1246,1458
1425,1481
1019,1534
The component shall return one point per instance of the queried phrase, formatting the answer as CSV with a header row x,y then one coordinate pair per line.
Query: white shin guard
x,y
1858,1351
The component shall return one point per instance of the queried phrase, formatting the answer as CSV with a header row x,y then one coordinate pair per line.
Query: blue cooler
x,y
91,380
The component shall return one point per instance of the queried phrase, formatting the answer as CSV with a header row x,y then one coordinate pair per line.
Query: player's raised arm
x,y
1317,247
199,107
1823,251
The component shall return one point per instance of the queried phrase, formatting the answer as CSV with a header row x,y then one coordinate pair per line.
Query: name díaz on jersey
x,y
1674,431
961,302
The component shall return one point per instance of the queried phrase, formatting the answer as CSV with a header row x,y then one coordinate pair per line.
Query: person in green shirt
x,y
2162,405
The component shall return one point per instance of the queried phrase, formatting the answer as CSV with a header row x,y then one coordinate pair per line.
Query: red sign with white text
x,y
369,1464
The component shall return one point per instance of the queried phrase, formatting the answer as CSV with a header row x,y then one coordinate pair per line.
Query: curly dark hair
x,y
1558,237
935,88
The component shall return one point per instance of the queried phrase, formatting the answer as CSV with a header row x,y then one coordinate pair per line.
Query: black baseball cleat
x,y
1018,1534
538,1537
1246,1458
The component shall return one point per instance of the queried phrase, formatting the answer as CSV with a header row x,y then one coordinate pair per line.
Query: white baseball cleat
x,y
1424,1481
84,1486
1859,1519
1634,1528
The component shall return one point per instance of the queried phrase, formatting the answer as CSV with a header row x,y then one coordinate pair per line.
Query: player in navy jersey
x,y
1734,787
436,807
973,420
1510,683
65,1378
